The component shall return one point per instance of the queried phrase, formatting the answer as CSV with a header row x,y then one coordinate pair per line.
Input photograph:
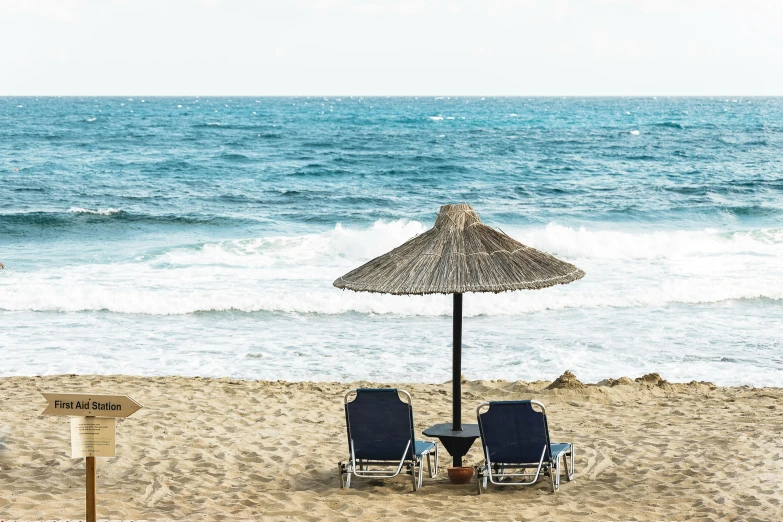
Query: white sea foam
x,y
294,274
616,245
436,118
635,133
100,211
682,303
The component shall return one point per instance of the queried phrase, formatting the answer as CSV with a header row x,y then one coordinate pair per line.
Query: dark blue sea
x,y
201,236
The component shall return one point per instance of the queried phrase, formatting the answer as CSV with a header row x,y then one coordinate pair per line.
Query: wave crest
x,y
99,211
294,274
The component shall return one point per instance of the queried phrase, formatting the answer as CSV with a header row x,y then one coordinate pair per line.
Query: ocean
x,y
201,236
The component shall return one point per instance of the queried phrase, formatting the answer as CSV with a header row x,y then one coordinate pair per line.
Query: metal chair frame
x,y
485,473
354,466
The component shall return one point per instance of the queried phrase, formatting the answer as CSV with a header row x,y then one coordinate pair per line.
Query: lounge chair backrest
x,y
513,432
379,424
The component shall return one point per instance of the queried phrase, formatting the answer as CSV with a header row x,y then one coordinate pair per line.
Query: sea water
x,y
201,236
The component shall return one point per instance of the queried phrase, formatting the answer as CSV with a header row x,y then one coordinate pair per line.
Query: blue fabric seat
x,y
514,437
423,447
381,439
557,449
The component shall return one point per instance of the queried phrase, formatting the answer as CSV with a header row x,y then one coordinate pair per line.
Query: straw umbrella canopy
x,y
459,254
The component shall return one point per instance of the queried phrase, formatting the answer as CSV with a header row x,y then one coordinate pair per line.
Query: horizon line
x,y
393,95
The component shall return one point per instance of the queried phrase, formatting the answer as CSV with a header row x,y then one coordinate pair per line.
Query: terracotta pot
x,y
460,475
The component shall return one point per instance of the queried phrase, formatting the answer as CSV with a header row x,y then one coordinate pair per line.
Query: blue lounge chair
x,y
380,436
514,436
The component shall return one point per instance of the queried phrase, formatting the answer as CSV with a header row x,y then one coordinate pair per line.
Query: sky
x,y
404,47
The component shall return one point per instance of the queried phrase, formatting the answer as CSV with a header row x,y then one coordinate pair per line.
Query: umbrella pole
x,y
457,367
456,378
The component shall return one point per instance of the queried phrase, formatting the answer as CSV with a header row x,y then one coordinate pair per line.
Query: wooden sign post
x,y
92,487
92,429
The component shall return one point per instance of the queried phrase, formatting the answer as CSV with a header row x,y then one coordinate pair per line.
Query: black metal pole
x,y
457,363
457,372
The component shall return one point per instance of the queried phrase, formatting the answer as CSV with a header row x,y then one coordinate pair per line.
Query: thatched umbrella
x,y
459,254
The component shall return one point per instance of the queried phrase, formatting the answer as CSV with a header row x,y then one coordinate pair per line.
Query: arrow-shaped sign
x,y
90,405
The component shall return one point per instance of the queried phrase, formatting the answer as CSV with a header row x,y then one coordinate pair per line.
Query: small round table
x,y
456,442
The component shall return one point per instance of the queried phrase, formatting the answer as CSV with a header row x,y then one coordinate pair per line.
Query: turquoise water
x,y
201,236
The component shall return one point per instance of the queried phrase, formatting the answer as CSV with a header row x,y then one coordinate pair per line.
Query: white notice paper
x,y
92,437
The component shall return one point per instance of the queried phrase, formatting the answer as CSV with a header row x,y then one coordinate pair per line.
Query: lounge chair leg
x,y
554,474
433,467
345,475
570,465
559,464
481,480
413,474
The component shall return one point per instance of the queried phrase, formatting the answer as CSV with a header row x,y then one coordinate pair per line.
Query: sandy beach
x,y
221,449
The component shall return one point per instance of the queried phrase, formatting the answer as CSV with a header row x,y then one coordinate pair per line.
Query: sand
x,y
222,449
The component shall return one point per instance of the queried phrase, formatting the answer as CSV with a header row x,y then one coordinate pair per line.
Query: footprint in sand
x,y
597,464
154,493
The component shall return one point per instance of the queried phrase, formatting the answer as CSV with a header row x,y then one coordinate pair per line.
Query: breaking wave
x,y
294,274
99,211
